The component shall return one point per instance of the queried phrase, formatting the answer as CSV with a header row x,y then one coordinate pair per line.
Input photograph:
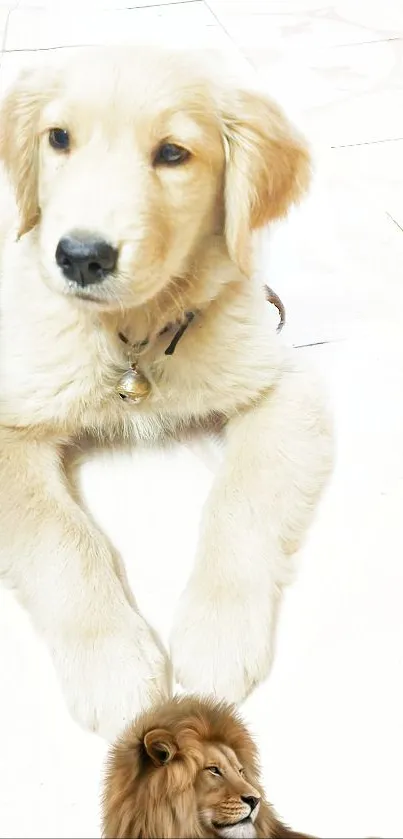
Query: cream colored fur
x,y
184,238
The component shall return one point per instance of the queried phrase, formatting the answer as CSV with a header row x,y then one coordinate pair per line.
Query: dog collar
x,y
134,385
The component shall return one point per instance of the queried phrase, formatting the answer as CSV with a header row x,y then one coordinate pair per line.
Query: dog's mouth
x,y
87,298
74,292
101,298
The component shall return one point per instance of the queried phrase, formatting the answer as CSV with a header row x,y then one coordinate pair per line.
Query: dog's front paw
x,y
222,645
108,679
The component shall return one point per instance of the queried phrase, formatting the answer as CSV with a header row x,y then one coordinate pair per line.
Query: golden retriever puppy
x,y
187,770
137,182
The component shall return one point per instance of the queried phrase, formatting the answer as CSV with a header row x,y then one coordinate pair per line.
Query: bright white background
x,y
329,720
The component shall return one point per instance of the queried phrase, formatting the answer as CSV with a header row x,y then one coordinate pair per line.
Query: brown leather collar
x,y
271,297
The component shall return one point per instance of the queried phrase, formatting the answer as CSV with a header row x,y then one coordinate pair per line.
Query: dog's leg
x,y
63,571
278,456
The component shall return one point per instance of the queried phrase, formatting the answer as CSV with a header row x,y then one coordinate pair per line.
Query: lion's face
x,y
185,770
226,801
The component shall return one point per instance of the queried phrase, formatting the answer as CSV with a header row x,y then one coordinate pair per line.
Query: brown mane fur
x,y
143,801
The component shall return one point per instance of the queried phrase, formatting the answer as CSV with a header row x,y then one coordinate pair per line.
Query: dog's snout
x,y
85,259
251,800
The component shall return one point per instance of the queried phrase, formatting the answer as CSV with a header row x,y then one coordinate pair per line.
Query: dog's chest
x,y
54,372
64,371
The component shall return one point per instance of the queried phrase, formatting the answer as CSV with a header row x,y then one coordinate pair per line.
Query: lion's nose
x,y
252,800
85,258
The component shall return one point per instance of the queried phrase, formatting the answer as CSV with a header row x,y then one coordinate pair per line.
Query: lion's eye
x,y
214,770
59,139
170,154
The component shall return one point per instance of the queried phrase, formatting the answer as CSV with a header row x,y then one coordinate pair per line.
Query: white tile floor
x,y
329,720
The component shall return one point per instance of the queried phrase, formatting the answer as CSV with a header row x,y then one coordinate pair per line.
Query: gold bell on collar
x,y
134,385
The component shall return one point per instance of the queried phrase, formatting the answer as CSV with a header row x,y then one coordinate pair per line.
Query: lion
x,y
187,769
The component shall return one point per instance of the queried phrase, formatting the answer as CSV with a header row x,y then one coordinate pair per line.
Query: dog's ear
x,y
267,169
160,746
20,111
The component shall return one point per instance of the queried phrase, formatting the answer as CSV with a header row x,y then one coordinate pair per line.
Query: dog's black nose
x,y
85,259
252,800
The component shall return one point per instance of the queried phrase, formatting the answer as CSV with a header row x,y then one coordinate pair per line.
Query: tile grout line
x,y
318,343
365,43
108,8
17,5
394,221
229,36
221,25
4,38
368,143
153,5
48,49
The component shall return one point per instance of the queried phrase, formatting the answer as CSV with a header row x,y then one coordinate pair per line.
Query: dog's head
x,y
127,161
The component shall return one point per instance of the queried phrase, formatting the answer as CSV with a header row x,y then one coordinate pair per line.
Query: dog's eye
x,y
170,154
214,770
59,139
